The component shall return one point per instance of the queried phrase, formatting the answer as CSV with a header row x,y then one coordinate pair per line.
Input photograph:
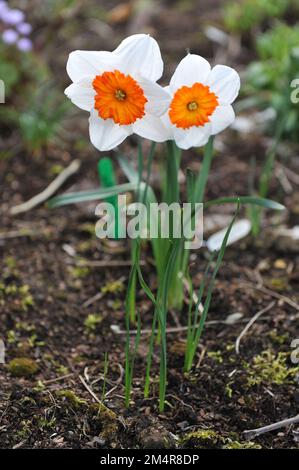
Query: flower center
x,y
192,106
118,97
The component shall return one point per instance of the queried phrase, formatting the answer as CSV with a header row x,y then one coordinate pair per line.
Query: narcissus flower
x,y
201,101
119,90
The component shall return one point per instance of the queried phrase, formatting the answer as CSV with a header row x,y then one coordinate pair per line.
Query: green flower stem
x,y
200,188
172,195
107,179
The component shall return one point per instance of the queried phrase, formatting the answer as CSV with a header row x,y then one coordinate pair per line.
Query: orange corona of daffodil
x,y
192,106
119,97
201,101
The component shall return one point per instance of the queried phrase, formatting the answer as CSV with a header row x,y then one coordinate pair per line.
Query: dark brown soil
x,y
46,321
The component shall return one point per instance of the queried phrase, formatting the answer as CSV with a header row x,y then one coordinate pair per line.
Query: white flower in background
x,y
201,101
119,90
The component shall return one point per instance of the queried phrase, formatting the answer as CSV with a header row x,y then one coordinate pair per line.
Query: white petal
x,y
158,98
150,127
222,117
192,137
225,83
82,93
167,122
90,63
141,54
192,69
105,134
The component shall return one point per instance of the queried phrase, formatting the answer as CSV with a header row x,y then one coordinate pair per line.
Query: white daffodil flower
x,y
201,101
119,90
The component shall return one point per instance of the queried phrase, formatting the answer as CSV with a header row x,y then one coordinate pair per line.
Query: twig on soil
x,y
181,401
49,191
201,357
270,292
89,390
251,322
118,331
93,299
58,379
20,444
16,234
252,433
107,264
110,391
99,296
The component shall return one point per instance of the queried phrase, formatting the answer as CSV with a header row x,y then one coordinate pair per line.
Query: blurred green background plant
x,y
246,14
272,74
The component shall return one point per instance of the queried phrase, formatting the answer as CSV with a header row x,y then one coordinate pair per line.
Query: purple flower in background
x,y
24,44
13,17
15,27
3,9
24,28
3,6
10,36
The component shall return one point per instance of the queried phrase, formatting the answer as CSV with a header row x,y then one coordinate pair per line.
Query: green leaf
x,y
93,195
257,201
190,184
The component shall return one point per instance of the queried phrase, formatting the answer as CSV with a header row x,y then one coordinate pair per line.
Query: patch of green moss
x,y
10,269
28,401
241,445
92,321
79,272
62,370
72,398
228,389
116,304
203,438
21,295
40,386
107,418
22,367
33,341
11,337
276,338
55,170
279,284
44,423
216,355
25,326
10,262
113,287
269,369
25,430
